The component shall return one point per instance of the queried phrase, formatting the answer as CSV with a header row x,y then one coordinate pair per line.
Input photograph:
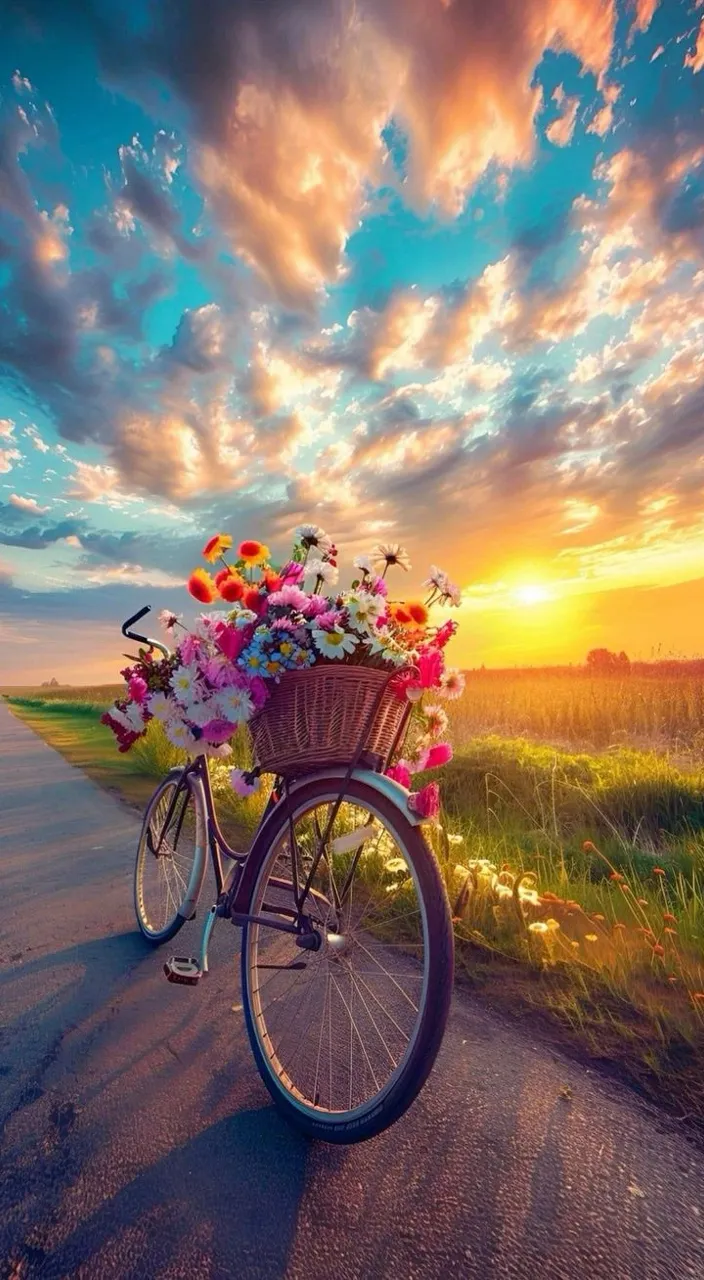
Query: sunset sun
x,y
532,594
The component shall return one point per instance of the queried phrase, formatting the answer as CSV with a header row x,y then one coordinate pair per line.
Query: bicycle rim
x,y
341,1030
165,857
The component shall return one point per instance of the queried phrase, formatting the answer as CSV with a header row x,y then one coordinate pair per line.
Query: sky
x,y
421,271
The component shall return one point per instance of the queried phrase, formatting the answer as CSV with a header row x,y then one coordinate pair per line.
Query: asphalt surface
x,y
137,1140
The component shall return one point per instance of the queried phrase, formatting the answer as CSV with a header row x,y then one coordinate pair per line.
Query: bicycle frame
x,y
235,884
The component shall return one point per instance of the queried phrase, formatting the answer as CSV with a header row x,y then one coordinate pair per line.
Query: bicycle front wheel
x,y
169,858
345,1036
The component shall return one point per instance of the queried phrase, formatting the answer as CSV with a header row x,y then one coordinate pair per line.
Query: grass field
x,y
573,851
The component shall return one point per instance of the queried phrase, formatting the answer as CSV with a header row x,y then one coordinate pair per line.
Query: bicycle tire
x,y
158,808
361,1123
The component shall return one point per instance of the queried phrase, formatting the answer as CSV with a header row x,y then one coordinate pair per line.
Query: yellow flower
x,y
253,552
538,926
590,937
216,546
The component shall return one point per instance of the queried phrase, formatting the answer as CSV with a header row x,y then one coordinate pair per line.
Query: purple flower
x,y
218,731
189,649
377,586
330,619
292,572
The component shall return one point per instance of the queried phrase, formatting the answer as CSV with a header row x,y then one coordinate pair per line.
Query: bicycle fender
x,y
386,787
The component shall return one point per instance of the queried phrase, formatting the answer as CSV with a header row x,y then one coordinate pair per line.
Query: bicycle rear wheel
x,y
170,848
345,1036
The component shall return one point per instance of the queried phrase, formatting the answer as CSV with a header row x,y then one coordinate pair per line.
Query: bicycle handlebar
x,y
135,635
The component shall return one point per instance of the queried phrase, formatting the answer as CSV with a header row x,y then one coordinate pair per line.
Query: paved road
x,y
137,1140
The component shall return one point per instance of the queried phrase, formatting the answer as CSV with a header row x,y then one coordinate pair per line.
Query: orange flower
x,y
669,918
658,950
598,917
216,546
642,902
616,875
618,925
201,586
253,552
672,932
272,581
417,612
231,587
589,847
658,871
400,614
698,996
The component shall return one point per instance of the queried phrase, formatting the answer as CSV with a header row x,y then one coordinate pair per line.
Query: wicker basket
x,y
317,717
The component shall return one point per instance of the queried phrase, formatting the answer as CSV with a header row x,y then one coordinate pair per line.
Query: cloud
x,y
142,198
602,120
8,457
27,504
560,130
643,16
289,103
695,59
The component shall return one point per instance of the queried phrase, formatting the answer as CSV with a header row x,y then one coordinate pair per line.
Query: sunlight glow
x,y
532,594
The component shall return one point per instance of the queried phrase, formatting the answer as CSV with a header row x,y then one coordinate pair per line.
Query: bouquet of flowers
x,y
273,620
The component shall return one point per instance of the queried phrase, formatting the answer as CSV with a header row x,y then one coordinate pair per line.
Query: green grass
x,y
518,815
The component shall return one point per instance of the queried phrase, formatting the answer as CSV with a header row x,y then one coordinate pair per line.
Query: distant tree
x,y
605,662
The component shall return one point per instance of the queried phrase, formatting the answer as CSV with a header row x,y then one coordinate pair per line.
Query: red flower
x,y
253,599
436,756
229,640
658,871
658,950
430,668
272,581
231,587
201,586
444,633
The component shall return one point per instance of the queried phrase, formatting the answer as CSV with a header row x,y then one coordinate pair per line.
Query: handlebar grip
x,y
135,618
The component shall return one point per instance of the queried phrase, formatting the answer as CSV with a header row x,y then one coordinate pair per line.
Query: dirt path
x,y
138,1141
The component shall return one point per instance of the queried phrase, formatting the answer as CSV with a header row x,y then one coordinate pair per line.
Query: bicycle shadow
x,y
225,1203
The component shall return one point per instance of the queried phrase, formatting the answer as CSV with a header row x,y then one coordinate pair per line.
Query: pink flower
x,y
258,690
329,619
436,756
377,586
218,731
426,803
137,689
292,572
243,783
230,640
430,668
400,773
290,597
445,633
189,649
217,671
315,605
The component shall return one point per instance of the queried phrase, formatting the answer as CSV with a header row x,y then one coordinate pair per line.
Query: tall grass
x,y
663,711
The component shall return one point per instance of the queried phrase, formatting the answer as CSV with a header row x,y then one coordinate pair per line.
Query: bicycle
x,y
347,947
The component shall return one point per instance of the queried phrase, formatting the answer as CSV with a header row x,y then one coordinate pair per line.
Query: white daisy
x,y
160,706
184,683
335,643
364,563
234,705
199,713
311,535
328,573
365,609
179,735
391,553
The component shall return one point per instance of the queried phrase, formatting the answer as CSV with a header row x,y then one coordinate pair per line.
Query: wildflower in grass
x,y
575,945
642,902
588,847
618,924
669,918
698,996
538,926
658,950
216,547
388,554
552,925
672,932
616,877
591,937
201,586
658,871
599,918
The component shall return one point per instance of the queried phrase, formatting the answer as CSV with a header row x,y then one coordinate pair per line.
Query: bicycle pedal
x,y
183,969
